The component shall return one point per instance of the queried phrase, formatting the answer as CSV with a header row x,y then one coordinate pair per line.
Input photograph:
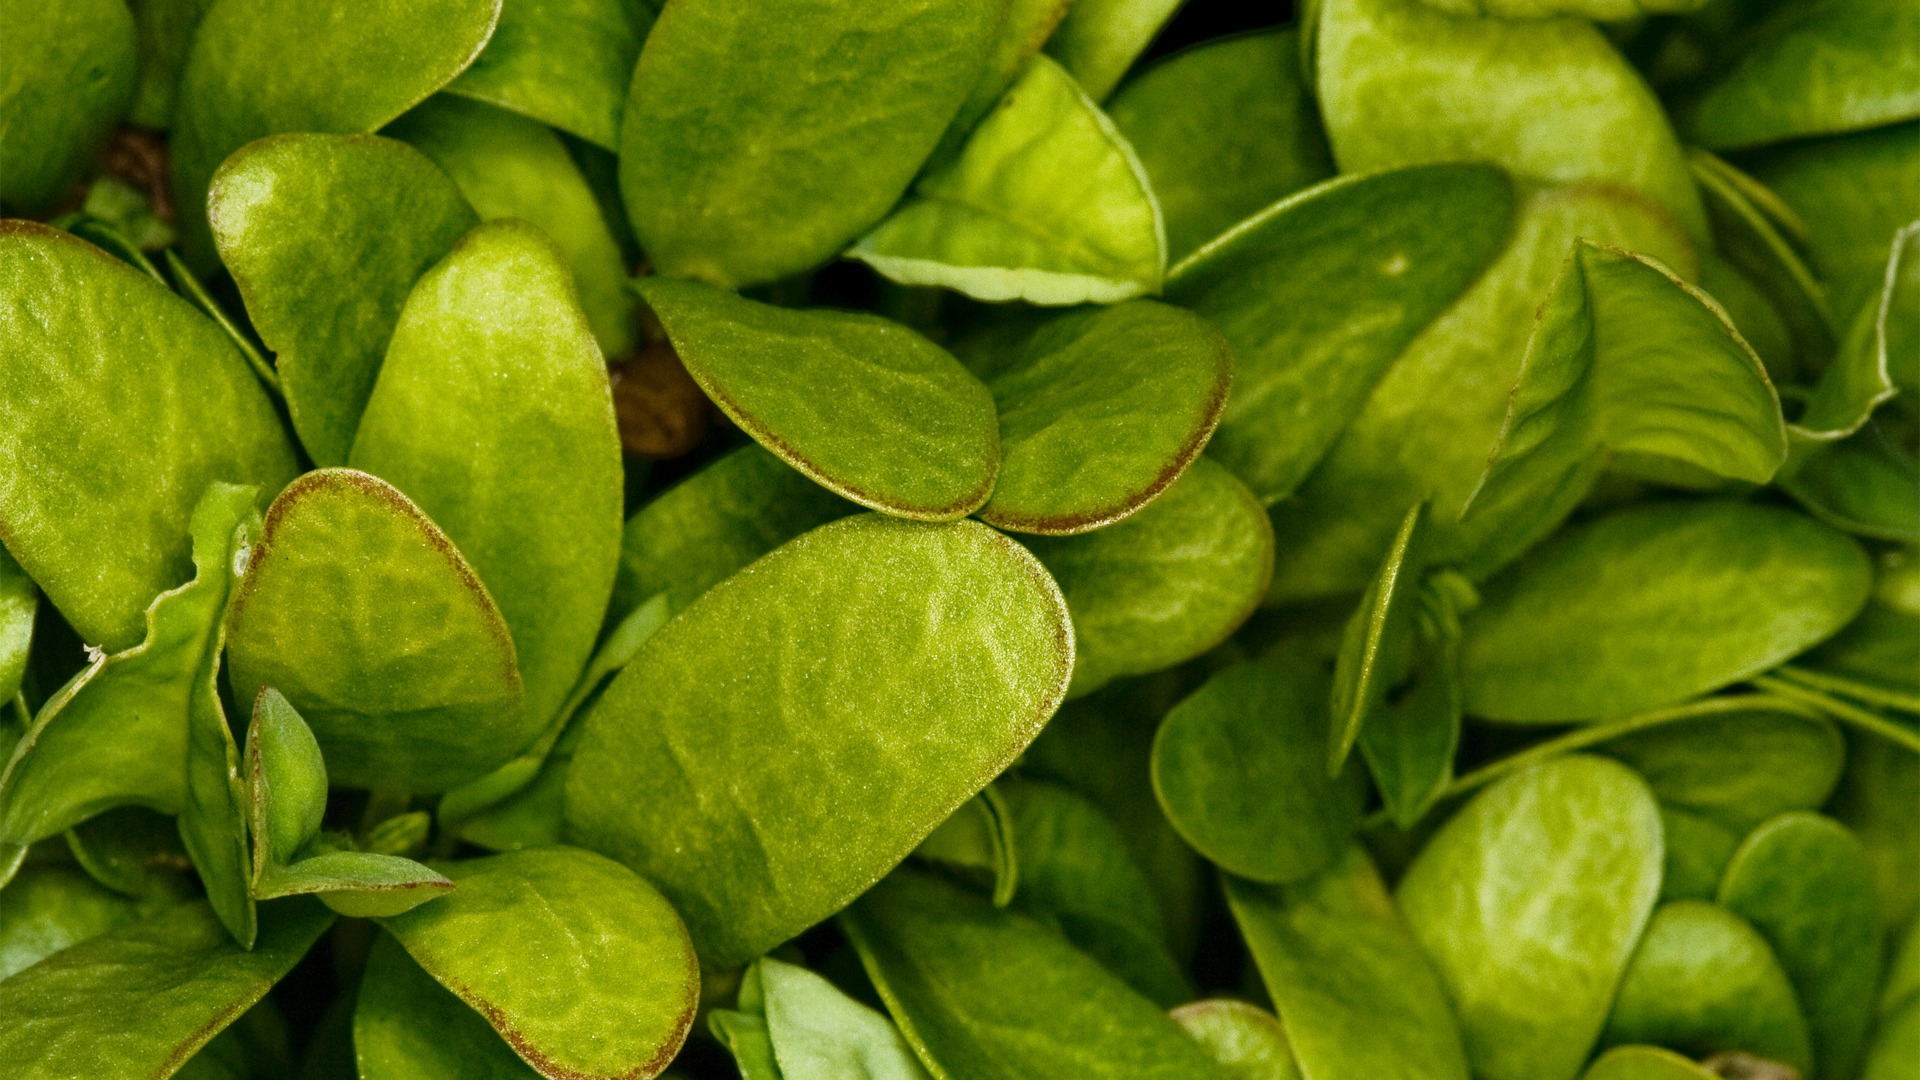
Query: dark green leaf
x,y
70,71
819,1033
135,852
164,30
1737,766
408,1027
977,841
1761,238
566,64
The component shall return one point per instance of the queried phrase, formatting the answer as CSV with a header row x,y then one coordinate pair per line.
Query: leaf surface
x,y
564,64
70,73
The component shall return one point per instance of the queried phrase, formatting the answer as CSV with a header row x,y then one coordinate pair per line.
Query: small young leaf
x,y
819,1033
1376,649
1738,766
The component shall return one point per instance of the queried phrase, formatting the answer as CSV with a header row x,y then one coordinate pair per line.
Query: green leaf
x,y
1529,902
1402,83
1864,484
910,432
1703,981
819,1033
1806,884
260,67
49,908
1246,1040
1357,998
1860,378
493,414
1626,359
977,842
984,994
362,612
1099,39
1645,1063
1166,584
325,235
1811,69
996,223
1240,769
1737,766
142,999
164,31
1360,266
1223,129
1376,648
70,70
694,769
135,852
508,166
408,1027
1102,411
1655,604
698,532
632,983
1880,785
565,64
1698,850
1027,26
119,404
1761,238
747,156
19,602
1896,1044
1597,10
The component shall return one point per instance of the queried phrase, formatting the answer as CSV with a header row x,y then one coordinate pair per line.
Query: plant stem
x,y
1859,691
1898,734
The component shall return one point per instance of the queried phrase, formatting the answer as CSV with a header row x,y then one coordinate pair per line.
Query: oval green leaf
x,y
70,71
819,1033
1099,39
1529,902
694,769
1740,764
1246,1040
1645,1063
1655,604
408,1027
564,64
910,431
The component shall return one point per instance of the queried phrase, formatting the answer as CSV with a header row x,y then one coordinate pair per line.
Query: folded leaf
x,y
1028,25
495,941
746,156
325,235
1166,584
909,432
1357,997
564,64
408,1027
119,404
1865,484
142,999
1586,626
1045,202
362,612
1099,39
1762,238
1493,898
692,765
1376,648
70,76
819,1033
1101,412
1246,1039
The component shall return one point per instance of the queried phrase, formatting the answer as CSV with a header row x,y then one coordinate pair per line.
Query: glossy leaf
x,y
563,64
746,156
118,406
142,999
1099,39
493,414
70,71
362,612
1747,586
1626,359
1529,902
1101,412
1166,584
1645,1063
1247,1041
19,602
819,1033
408,1027
508,166
325,235
51,908
996,223
1357,997
1812,69
966,653
1223,130
1740,765
910,431
633,980
1806,885
985,994
1704,981
260,67
1240,769
1360,266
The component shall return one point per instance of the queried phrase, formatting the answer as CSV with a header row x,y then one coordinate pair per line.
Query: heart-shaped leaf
x,y
1223,129
1099,39
1026,28
1747,586
1806,884
805,137
362,612
564,64
967,650
1246,1040
408,1027
1357,998
1100,412
325,235
1166,584
632,983
987,994
1703,981
1240,769
1493,899
910,431
142,999
70,75
119,404
1359,266
494,416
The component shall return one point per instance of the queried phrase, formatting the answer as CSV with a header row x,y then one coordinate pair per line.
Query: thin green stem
x,y
1853,688
1871,722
